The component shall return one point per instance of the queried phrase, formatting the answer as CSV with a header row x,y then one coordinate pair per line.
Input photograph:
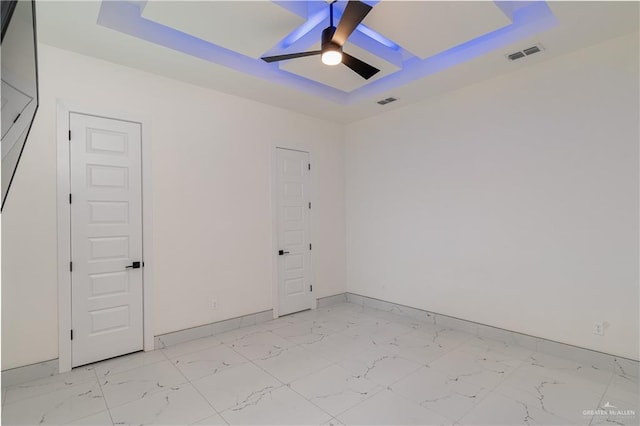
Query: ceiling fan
x,y
334,38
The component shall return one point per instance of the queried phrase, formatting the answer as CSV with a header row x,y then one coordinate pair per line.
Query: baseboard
x,y
181,336
40,370
207,330
15,376
600,360
323,302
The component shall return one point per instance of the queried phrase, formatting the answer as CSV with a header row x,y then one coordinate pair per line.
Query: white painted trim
x,y
64,225
313,303
64,240
275,301
586,356
147,234
274,226
211,329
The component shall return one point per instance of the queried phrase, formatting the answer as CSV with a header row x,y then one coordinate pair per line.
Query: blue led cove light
x,y
528,18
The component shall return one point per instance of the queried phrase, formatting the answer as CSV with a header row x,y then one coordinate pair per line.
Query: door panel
x,y
106,237
294,271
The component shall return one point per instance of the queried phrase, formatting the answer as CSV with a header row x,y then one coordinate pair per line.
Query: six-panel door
x,y
294,286
106,237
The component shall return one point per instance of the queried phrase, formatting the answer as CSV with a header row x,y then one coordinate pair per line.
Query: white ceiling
x,y
247,27
424,28
428,27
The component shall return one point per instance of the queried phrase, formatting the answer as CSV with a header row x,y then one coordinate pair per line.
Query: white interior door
x,y
106,238
293,210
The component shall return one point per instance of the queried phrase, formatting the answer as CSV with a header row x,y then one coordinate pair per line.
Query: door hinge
x,y
309,205
69,134
311,288
309,246
70,266
309,164
69,198
71,334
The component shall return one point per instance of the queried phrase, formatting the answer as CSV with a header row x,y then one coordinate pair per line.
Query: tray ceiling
x,y
405,40
217,45
427,28
247,27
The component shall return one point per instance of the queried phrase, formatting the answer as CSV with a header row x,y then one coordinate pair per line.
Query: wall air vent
x,y
386,101
524,52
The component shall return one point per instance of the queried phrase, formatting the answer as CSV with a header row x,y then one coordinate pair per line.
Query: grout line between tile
x,y
359,349
251,362
382,389
196,388
606,389
190,351
106,404
127,369
288,385
40,395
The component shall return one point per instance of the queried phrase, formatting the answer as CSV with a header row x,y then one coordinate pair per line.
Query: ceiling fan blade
x,y
353,14
365,70
290,56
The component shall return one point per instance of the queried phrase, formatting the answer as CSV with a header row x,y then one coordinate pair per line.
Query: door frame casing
x,y
63,189
274,226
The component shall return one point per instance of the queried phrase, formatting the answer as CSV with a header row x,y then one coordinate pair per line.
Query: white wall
x,y
512,202
212,201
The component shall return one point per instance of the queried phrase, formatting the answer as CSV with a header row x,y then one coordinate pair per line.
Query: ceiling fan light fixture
x,y
333,38
331,54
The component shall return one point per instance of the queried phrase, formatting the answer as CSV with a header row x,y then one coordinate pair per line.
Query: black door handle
x,y
134,265
281,252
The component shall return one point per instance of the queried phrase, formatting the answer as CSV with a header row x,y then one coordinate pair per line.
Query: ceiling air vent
x,y
386,101
524,52
531,50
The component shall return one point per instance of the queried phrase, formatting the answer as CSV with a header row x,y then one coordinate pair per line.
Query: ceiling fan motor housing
x,y
327,44
334,38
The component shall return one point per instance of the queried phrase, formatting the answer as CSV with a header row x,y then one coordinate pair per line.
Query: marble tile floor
x,y
343,364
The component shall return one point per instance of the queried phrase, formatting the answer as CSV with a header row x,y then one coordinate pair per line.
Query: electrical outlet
x,y
598,328
214,304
